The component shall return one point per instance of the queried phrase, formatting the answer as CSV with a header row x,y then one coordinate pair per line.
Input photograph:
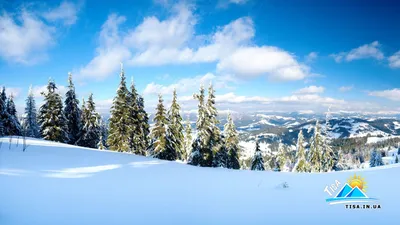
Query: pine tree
x,y
282,159
53,126
103,132
31,126
378,159
302,164
100,145
176,127
187,147
315,150
72,112
135,132
232,143
215,142
14,127
91,130
258,161
144,124
3,112
118,138
221,156
327,155
162,146
396,160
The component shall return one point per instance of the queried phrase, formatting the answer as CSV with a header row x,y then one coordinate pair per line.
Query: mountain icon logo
x,y
352,192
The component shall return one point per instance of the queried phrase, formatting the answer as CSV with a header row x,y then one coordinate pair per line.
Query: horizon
x,y
259,55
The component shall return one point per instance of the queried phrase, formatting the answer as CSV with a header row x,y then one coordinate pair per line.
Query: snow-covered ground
x,y
54,183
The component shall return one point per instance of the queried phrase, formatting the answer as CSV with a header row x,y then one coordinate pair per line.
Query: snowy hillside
x,y
59,184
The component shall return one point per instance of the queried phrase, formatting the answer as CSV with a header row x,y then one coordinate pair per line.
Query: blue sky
x,y
260,55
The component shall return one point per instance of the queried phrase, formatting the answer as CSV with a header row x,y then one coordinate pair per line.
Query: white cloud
x,y
311,90
273,62
37,90
14,91
188,84
233,98
311,57
66,13
371,50
394,60
25,38
346,88
393,94
156,42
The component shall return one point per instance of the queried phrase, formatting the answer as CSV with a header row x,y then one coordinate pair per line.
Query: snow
x,y
101,188
372,140
396,125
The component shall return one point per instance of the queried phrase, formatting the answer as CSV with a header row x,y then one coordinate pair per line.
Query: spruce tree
x,y
327,155
221,156
144,125
162,146
3,112
53,125
201,154
232,143
282,158
135,132
378,159
315,150
187,146
14,127
100,145
72,112
91,130
176,127
31,126
302,164
396,160
118,137
257,162
215,142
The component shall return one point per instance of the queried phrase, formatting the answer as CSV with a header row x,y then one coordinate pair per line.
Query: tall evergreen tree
x,y
215,142
201,154
3,112
91,130
315,156
302,164
31,126
72,112
14,127
282,159
135,132
53,125
232,143
187,146
144,124
327,156
162,146
221,156
118,137
176,127
257,161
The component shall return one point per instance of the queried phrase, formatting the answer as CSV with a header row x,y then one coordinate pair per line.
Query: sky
x,y
270,55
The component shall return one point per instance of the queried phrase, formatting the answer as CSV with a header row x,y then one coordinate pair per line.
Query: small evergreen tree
x,y
302,164
232,143
31,126
144,124
135,132
3,112
100,145
14,127
221,156
397,159
378,159
162,146
176,127
72,112
315,157
91,130
53,126
258,161
118,137
187,147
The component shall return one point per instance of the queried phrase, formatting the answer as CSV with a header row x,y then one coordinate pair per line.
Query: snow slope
x,y
54,183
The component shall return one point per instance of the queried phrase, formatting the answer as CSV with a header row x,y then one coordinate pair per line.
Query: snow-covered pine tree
x,y
187,147
327,156
397,159
91,130
144,124
118,134
3,112
372,158
378,159
176,128
31,126
53,126
257,161
220,158
215,142
302,164
103,132
282,159
201,154
135,132
100,145
14,127
232,143
315,150
72,112
162,146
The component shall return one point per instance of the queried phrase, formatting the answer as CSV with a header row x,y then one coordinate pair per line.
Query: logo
x,y
352,194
